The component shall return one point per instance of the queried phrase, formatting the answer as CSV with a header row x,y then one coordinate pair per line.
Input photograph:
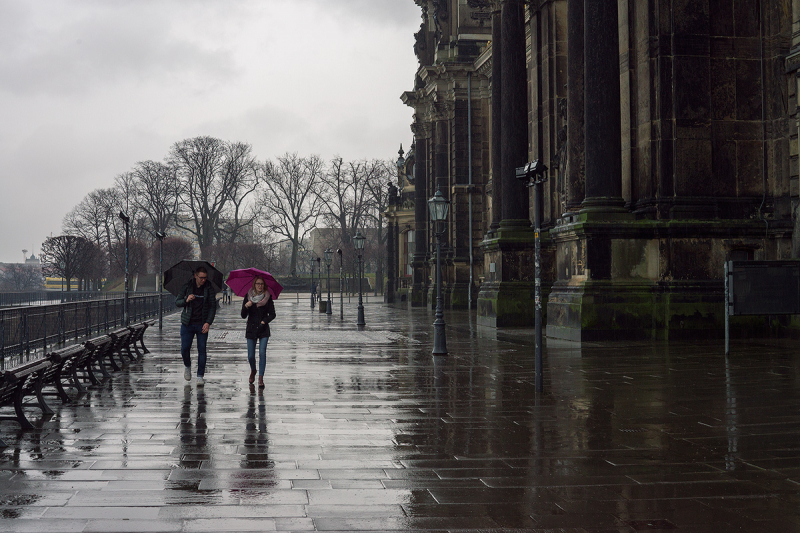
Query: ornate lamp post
x,y
319,283
311,288
358,243
535,174
126,219
438,206
160,236
341,294
328,259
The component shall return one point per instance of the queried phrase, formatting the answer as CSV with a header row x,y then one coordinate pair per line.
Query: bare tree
x,y
199,161
91,266
232,255
377,174
138,253
64,255
291,204
20,277
93,219
352,201
344,197
216,179
175,249
156,191
125,200
239,173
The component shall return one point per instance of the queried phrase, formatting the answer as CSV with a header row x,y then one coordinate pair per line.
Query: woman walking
x,y
259,310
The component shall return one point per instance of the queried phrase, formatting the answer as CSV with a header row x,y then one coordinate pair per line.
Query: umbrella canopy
x,y
178,274
240,281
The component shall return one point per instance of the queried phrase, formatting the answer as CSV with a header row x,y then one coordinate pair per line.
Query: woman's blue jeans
x,y
262,354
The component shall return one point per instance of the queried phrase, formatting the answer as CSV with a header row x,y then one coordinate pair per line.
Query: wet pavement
x,y
366,431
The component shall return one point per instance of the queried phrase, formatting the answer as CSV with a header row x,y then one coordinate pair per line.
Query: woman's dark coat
x,y
255,315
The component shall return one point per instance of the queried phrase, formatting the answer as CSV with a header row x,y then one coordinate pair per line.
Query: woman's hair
x,y
256,281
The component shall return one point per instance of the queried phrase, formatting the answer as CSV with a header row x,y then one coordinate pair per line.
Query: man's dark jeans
x,y
187,336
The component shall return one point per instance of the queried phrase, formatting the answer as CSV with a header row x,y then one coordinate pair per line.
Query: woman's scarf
x,y
259,299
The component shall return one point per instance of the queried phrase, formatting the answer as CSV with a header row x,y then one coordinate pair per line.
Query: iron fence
x,y
26,298
29,329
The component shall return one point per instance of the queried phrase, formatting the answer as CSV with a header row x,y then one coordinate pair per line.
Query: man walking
x,y
199,309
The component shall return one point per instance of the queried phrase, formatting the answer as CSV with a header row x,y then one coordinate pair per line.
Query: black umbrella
x,y
176,276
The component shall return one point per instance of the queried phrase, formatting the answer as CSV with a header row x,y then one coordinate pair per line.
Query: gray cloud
x,y
387,13
96,47
90,87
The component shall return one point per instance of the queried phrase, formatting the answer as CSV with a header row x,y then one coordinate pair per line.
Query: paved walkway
x,y
365,431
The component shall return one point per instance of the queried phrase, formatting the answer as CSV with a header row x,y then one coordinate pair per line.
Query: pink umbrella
x,y
240,281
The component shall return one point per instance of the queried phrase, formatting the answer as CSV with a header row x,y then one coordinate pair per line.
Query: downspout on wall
x,y
469,189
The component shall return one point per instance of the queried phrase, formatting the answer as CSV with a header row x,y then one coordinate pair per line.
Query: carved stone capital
x,y
422,130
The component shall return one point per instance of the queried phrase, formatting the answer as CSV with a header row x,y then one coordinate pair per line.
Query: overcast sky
x,y
90,87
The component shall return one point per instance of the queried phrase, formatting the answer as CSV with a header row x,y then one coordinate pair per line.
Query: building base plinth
x,y
608,310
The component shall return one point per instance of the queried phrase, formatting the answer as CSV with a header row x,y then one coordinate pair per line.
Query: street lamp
x,y
319,283
160,236
62,265
328,259
127,221
438,206
312,282
534,174
358,243
341,295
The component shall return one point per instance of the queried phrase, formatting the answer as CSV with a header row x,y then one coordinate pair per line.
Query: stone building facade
x,y
669,129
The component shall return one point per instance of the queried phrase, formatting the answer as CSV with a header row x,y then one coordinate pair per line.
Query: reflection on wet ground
x,y
366,431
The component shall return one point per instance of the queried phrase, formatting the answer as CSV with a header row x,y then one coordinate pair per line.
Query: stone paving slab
x,y
366,431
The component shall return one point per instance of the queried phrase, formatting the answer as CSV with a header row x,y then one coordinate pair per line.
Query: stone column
x,y
602,107
391,258
397,271
575,106
420,256
497,181
513,114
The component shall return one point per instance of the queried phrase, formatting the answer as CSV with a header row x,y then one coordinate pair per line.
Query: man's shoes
x,y
260,382
200,381
252,376
187,373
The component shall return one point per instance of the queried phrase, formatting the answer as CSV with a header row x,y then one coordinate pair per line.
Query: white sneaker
x,y
200,381
187,373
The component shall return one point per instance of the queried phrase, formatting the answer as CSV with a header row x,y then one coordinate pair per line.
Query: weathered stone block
x,y
693,85
723,89
691,16
721,20
748,89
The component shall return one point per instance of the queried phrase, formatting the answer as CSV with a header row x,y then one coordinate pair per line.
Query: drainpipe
x,y
763,127
469,190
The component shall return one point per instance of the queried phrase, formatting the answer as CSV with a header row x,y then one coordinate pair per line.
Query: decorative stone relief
x,y
482,10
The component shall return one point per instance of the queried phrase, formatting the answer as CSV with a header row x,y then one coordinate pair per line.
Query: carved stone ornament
x,y
482,10
420,43
440,15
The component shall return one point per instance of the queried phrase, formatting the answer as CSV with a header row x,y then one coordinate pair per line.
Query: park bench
x,y
137,336
63,372
66,368
24,380
8,389
98,350
121,340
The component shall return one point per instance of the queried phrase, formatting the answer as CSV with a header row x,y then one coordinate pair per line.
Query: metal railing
x,y
29,329
25,298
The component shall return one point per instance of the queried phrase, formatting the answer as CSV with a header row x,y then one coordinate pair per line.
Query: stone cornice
x,y
483,65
